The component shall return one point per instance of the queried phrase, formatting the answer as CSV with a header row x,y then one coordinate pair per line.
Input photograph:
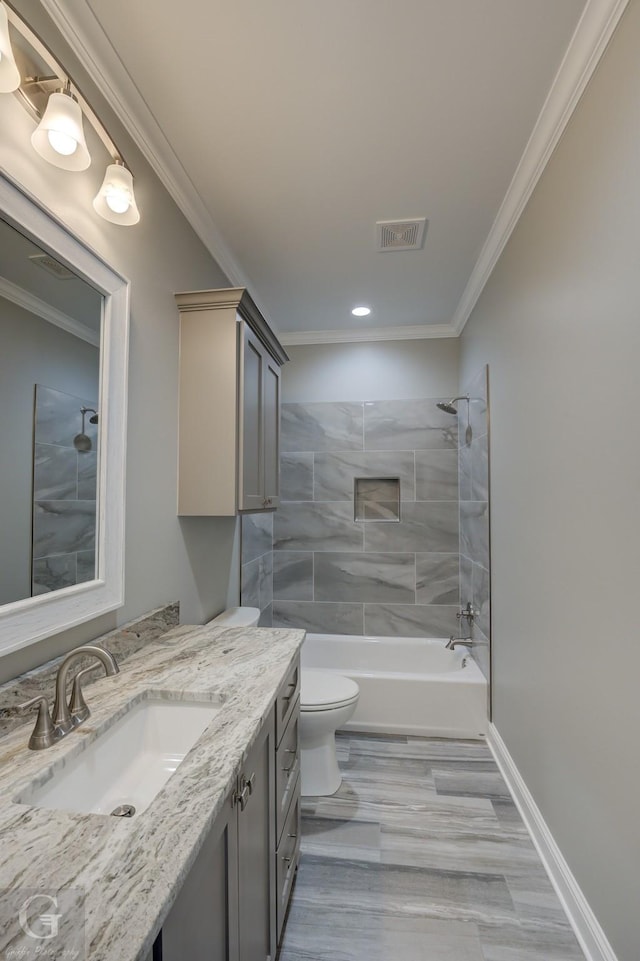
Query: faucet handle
x,y
77,705
44,733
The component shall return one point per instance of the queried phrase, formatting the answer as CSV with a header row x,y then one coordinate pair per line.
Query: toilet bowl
x,y
238,617
327,701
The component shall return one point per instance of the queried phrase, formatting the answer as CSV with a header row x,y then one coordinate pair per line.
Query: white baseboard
x,y
592,938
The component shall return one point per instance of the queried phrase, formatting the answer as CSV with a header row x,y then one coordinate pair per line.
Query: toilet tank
x,y
238,617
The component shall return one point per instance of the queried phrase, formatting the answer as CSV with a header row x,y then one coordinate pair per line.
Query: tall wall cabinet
x,y
229,421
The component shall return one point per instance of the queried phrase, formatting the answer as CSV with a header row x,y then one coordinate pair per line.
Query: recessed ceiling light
x,y
361,311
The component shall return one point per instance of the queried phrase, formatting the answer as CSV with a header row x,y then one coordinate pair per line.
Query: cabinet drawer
x,y
287,861
286,700
287,769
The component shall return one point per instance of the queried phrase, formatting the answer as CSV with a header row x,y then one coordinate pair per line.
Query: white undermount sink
x,y
130,762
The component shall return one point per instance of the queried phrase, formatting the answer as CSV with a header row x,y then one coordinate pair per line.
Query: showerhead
x,y
82,443
448,408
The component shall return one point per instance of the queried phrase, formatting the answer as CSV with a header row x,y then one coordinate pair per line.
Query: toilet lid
x,y
321,689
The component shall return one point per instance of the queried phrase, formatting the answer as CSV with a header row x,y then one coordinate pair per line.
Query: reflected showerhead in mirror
x,y
81,442
449,408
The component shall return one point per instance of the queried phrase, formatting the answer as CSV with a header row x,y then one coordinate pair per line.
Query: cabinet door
x,y
271,431
203,922
256,852
251,423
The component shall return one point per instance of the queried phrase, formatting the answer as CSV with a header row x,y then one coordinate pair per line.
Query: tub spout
x,y
454,641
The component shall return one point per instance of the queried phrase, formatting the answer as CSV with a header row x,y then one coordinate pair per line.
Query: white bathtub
x,y
408,685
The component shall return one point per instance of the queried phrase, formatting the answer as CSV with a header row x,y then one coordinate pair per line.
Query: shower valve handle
x,y
468,612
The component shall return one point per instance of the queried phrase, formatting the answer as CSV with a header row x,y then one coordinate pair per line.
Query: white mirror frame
x,y
28,620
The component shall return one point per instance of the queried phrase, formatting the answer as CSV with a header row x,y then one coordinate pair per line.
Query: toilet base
x,y
319,772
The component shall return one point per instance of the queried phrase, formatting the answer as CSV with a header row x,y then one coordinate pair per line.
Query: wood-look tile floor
x,y
421,856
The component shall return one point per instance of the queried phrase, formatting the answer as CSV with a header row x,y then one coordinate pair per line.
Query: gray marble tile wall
x,y
473,478
334,574
256,571
64,492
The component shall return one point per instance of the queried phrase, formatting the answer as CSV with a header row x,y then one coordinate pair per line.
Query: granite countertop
x,y
124,874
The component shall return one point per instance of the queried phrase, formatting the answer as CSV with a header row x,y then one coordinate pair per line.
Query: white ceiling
x,y
300,124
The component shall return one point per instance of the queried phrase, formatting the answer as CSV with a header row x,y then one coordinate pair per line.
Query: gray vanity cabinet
x,y
287,792
203,922
225,910
229,417
233,903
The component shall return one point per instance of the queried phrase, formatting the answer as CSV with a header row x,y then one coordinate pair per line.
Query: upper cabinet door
x,y
251,495
271,379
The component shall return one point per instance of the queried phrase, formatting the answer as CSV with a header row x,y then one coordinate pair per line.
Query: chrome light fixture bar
x,y
59,107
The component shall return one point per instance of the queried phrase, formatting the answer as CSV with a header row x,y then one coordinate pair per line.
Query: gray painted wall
x,y
558,326
193,560
32,351
385,370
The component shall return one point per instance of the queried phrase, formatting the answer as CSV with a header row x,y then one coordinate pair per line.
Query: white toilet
x,y
327,701
238,617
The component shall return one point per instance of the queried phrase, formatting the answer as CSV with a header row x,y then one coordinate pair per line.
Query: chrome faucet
x,y
454,641
66,716
62,717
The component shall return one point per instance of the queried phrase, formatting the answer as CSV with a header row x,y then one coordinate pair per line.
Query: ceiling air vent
x,y
52,266
401,234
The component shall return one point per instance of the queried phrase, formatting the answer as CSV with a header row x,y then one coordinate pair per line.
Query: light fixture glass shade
x,y
59,137
9,73
115,201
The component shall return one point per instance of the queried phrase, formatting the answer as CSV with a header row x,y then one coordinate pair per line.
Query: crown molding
x,y
590,39
94,50
588,43
297,338
27,300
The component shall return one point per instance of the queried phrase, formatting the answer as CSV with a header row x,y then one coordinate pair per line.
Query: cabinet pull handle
x,y
293,835
292,688
241,797
250,783
293,763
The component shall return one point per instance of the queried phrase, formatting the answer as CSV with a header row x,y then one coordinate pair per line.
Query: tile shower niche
x,y
376,499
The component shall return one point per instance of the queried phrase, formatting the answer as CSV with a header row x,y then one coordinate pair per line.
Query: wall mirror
x,y
63,364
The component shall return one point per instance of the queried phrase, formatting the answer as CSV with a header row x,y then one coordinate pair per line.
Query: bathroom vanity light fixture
x,y
9,73
59,137
115,201
55,102
361,311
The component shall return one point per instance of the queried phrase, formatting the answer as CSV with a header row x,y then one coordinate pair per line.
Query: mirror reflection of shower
x,y
81,442
449,408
